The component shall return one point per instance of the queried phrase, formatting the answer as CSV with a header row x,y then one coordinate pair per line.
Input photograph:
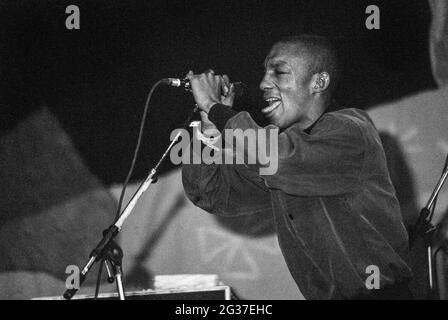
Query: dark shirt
x,y
333,202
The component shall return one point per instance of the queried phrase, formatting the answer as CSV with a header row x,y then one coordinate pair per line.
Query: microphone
x,y
240,87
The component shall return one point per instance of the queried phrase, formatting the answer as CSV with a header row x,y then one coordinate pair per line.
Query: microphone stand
x,y
426,229
107,248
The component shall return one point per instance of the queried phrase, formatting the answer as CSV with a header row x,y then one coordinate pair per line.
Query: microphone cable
x,y
128,177
136,150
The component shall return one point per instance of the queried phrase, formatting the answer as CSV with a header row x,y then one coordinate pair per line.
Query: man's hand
x,y
209,89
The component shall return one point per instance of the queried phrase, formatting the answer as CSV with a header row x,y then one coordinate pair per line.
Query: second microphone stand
x,y
424,228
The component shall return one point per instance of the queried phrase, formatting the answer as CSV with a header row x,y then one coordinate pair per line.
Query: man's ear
x,y
320,82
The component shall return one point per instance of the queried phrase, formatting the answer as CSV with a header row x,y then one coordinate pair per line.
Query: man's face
x,y
286,86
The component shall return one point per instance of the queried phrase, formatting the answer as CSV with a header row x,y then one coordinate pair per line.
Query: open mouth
x,y
273,104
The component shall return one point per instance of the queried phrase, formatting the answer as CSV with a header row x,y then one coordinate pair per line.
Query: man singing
x,y
335,211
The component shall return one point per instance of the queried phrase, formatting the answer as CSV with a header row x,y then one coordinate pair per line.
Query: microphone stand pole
x,y
107,248
426,229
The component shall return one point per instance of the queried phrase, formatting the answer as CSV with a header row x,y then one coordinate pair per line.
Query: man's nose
x,y
265,83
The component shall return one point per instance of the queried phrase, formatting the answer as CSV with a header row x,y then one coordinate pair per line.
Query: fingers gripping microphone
x,y
240,87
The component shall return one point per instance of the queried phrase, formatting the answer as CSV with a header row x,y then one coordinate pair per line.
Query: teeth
x,y
271,107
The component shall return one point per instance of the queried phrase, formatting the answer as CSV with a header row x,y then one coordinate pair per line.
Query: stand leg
x,y
110,277
119,286
114,255
432,288
430,273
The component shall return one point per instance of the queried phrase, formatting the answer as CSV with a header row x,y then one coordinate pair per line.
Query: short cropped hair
x,y
322,55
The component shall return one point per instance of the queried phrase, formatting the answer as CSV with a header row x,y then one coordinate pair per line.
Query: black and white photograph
x,y
240,151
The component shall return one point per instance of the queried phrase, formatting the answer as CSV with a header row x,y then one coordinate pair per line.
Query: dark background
x,y
95,80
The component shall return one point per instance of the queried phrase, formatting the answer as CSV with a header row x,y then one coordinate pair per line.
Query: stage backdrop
x,y
52,208
420,123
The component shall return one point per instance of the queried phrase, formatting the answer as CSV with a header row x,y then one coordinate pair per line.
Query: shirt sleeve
x,y
227,190
328,162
